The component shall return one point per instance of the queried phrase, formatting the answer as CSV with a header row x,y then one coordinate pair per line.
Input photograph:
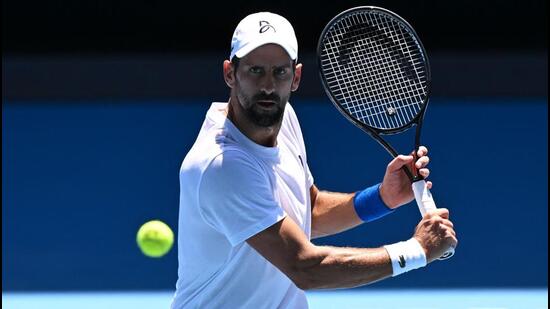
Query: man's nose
x,y
268,84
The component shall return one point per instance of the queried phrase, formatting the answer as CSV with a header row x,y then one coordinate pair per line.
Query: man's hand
x,y
436,234
396,187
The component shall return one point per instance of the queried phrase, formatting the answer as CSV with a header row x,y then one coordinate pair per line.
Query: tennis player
x,y
249,206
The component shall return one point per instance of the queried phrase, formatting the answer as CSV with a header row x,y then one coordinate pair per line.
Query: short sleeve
x,y
235,197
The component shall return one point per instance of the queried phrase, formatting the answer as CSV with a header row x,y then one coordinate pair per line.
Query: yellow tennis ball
x,y
155,238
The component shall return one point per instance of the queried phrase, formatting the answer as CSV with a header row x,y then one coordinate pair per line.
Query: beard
x,y
263,117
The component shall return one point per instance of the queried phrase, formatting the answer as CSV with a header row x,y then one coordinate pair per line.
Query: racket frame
x,y
377,133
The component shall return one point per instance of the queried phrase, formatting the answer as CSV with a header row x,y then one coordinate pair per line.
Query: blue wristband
x,y
369,205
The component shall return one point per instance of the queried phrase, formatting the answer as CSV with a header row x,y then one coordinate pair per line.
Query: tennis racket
x,y
376,72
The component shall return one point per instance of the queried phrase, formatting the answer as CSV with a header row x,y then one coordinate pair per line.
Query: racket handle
x,y
426,203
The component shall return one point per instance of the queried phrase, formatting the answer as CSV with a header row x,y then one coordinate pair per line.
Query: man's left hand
x,y
396,187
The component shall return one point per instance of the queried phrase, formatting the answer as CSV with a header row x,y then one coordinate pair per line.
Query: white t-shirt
x,y
230,189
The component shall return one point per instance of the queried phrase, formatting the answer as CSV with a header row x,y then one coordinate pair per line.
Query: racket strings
x,y
375,69
379,73
381,76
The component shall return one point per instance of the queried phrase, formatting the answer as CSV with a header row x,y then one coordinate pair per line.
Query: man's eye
x,y
256,70
280,71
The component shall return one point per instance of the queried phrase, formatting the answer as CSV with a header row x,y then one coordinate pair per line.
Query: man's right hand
x,y
436,234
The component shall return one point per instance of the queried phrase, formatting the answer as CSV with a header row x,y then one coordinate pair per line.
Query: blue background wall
x,y
79,178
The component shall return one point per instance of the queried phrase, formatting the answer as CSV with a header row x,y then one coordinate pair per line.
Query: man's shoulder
x,y
210,153
233,160
289,111
291,125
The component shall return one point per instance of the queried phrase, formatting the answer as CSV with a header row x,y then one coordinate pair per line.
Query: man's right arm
x,y
316,267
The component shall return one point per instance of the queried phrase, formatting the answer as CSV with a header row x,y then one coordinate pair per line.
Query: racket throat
x,y
411,171
413,175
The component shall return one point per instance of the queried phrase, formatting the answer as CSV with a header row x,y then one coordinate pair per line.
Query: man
x,y
249,207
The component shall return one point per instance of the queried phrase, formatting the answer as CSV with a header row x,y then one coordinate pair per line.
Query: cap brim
x,y
251,46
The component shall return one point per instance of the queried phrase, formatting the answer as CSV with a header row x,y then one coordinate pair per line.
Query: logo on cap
x,y
265,26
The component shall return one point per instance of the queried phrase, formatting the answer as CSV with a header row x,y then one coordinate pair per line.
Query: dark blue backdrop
x,y
80,177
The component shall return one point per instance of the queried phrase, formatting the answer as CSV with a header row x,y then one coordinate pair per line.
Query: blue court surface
x,y
359,298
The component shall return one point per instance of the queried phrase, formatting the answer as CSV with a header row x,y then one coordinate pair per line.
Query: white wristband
x,y
406,256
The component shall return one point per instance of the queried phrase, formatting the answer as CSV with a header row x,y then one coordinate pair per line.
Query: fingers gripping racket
x,y
376,72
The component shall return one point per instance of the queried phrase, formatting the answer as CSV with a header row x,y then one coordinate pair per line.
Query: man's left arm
x,y
333,212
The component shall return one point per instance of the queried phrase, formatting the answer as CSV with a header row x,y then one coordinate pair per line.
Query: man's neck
x,y
265,136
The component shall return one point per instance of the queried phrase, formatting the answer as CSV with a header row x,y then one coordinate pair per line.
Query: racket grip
x,y
426,203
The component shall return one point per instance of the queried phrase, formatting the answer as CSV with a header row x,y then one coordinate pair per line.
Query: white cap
x,y
263,28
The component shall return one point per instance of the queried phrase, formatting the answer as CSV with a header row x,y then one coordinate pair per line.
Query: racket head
x,y
374,69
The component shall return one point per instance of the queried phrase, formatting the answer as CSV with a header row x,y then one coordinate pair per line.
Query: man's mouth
x,y
266,103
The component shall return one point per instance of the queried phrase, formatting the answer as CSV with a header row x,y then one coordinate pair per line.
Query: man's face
x,y
263,84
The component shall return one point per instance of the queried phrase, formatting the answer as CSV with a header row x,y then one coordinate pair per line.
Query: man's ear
x,y
297,77
228,73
